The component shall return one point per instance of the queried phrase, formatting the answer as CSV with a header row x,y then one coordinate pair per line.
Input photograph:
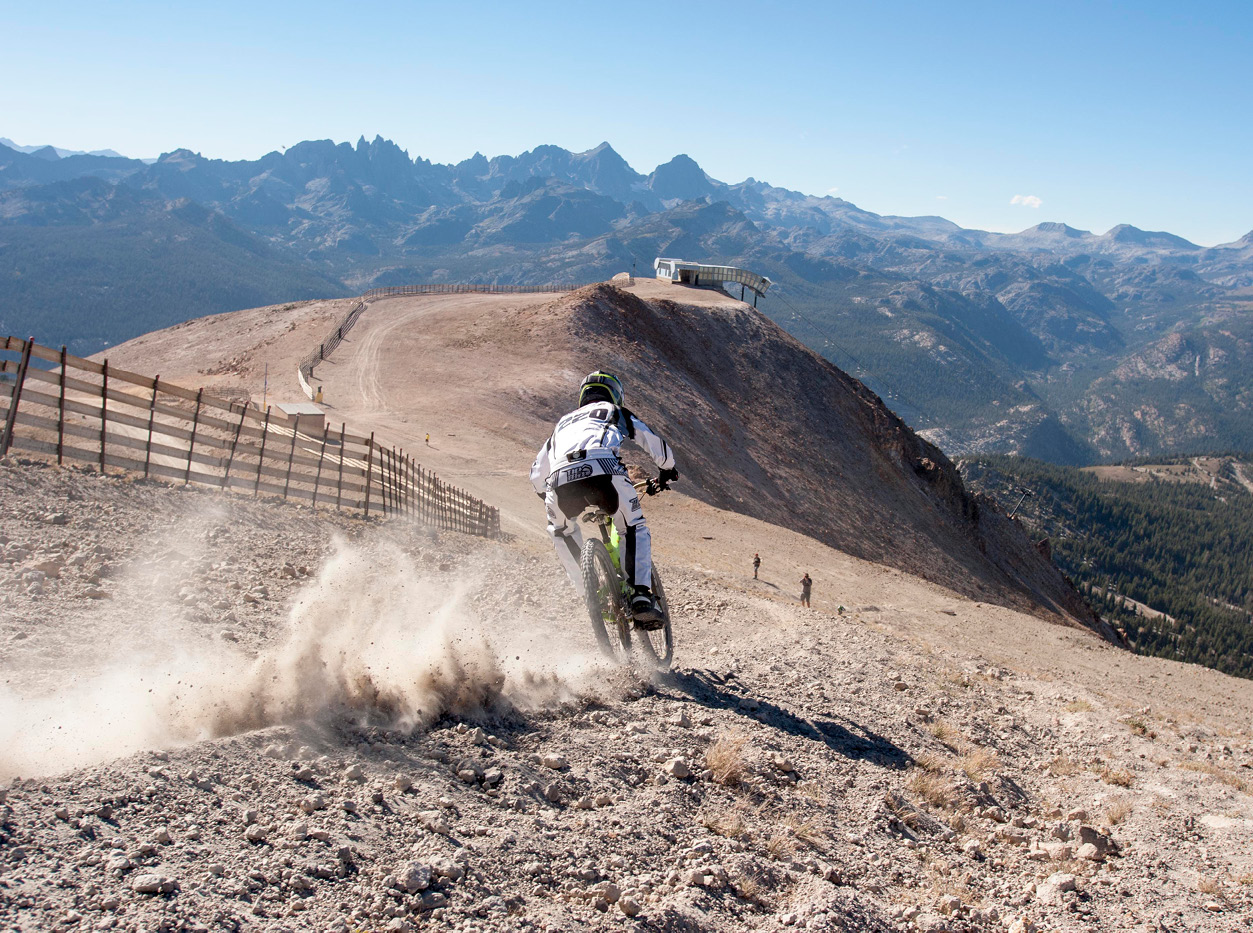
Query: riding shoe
x,y
646,612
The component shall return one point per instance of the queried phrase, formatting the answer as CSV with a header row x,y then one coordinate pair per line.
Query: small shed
x,y
309,419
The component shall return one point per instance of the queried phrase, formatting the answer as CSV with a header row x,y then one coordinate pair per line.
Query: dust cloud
x,y
372,638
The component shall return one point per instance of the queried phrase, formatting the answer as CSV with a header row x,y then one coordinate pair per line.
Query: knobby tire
x,y
657,646
602,591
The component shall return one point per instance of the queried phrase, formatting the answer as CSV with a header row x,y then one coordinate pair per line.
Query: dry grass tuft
x,y
902,809
929,761
1245,879
806,831
780,845
1061,766
1119,810
1139,728
725,758
979,763
725,823
1219,774
750,887
934,789
1119,777
947,733
1210,886
1078,706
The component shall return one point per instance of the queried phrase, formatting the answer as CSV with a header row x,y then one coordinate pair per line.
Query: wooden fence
x,y
60,406
323,351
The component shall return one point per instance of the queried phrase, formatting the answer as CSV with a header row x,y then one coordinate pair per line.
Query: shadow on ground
x,y
845,737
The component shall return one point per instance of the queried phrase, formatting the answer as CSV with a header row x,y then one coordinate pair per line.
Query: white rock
x,y
556,762
629,906
414,877
148,883
678,767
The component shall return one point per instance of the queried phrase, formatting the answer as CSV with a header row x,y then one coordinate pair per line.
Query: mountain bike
x,y
609,596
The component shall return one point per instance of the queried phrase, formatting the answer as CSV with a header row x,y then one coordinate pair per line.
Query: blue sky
x,y
1092,113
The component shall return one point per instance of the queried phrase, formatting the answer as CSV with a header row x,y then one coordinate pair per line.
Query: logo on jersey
x,y
634,504
578,472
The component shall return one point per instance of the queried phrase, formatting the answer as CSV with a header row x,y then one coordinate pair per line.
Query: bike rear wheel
x,y
602,588
657,646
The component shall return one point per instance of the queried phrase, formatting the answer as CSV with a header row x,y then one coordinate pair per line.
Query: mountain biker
x,y
579,466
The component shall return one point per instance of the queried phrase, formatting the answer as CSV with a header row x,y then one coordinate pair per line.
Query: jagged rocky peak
x,y
680,178
47,153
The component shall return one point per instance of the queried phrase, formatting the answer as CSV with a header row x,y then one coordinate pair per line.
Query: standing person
x,y
756,564
579,466
806,585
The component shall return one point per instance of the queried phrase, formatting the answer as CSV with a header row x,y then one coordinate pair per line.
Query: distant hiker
x,y
756,564
428,440
806,585
579,466
318,397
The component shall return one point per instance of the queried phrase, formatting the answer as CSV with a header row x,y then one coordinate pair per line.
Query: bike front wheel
x,y
657,646
602,588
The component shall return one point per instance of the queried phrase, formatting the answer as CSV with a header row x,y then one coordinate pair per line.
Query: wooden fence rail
x,y
60,406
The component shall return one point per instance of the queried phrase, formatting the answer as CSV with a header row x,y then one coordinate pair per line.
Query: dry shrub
x,y
929,761
1245,878
725,758
933,788
1061,766
1078,706
1139,728
1119,777
1119,810
1210,886
978,763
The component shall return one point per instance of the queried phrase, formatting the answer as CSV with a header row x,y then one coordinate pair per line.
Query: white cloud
x,y
1026,200
832,190
941,197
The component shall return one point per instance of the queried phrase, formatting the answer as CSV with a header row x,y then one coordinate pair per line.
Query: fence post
x,y
226,474
11,421
291,454
317,479
369,469
265,433
191,444
339,486
61,412
104,409
152,412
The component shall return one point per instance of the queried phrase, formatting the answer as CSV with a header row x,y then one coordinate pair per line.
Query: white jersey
x,y
587,442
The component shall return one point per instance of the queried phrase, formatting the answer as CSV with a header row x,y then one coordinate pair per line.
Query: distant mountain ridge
x,y
1022,342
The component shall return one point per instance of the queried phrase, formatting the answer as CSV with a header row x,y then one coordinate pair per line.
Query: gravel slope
x,y
239,714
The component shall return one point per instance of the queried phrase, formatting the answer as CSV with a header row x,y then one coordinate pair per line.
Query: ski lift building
x,y
704,275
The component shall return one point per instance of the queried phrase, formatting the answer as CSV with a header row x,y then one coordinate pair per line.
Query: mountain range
x,y
1054,342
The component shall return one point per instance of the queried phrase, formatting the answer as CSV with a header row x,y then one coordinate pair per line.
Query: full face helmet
x,y
600,386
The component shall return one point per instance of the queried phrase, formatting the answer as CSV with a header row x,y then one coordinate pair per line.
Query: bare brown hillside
x,y
763,425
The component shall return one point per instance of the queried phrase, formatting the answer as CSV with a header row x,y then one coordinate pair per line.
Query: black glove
x,y
666,477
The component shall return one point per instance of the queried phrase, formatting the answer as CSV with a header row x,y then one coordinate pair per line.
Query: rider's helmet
x,y
600,387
